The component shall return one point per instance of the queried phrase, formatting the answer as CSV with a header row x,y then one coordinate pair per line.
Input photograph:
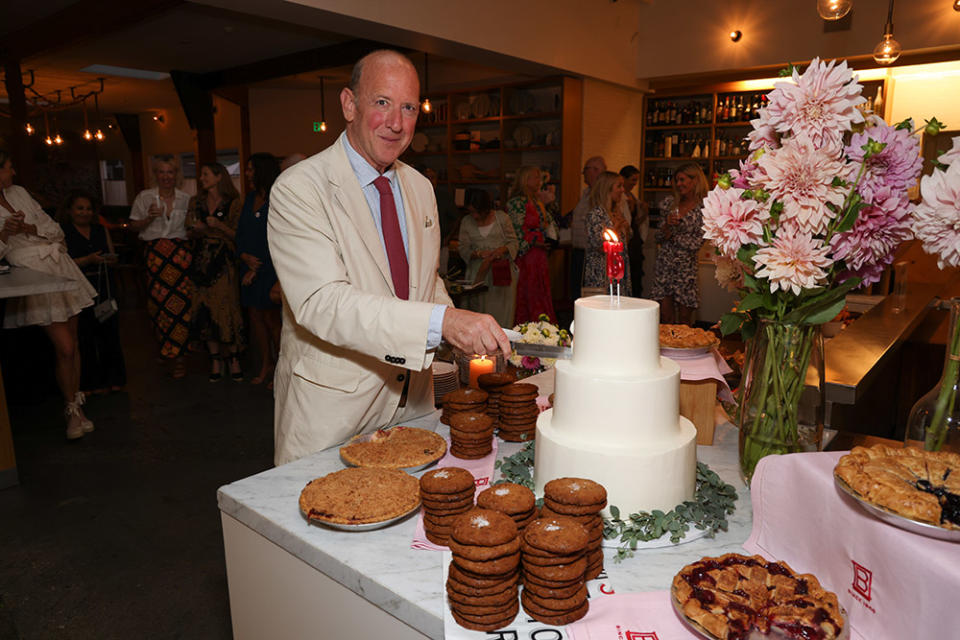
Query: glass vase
x,y
934,421
782,401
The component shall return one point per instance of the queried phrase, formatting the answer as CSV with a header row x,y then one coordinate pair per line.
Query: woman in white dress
x,y
30,238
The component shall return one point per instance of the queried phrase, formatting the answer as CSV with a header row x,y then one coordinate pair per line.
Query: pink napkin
x,y
703,366
482,470
893,583
631,616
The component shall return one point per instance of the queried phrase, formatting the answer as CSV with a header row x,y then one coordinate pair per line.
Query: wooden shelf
x,y
672,158
543,115
477,151
666,127
742,123
476,120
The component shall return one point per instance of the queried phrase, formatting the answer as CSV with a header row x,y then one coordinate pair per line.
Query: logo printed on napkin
x,y
862,585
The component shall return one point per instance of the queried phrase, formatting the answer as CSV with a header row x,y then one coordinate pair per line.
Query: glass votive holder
x,y
471,366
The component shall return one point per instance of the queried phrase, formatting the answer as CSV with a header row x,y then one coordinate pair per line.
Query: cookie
x,y
489,567
435,538
550,561
558,535
558,604
446,480
481,553
507,497
500,599
519,390
548,593
557,573
478,580
467,395
495,380
482,609
575,491
471,436
485,623
484,527
562,619
519,436
537,581
468,590
471,421
469,456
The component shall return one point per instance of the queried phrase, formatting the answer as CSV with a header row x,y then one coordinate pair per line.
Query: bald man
x,y
355,238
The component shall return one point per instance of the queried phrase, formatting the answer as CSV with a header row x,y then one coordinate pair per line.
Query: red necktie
x,y
393,239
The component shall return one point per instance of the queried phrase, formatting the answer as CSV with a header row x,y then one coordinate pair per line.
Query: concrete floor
x,y
117,535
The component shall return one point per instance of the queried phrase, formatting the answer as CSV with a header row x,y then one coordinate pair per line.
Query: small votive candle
x,y
480,365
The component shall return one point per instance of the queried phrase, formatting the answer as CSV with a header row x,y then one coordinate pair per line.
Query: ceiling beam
x,y
335,55
82,20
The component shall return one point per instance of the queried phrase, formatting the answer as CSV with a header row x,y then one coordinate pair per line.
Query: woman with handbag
x,y
30,238
533,226
488,245
102,367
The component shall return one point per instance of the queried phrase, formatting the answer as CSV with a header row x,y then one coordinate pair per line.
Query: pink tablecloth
x,y
893,583
631,616
703,366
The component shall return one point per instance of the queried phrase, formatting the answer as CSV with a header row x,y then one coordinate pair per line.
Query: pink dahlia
x,y
897,166
953,154
795,261
800,176
763,134
880,228
730,222
741,177
820,104
937,218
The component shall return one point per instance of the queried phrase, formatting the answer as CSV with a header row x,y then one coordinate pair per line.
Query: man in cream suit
x,y
357,257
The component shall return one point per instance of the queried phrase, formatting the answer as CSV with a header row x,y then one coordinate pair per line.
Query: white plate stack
x,y
444,380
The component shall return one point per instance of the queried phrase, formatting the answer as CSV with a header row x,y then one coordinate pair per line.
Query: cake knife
x,y
541,350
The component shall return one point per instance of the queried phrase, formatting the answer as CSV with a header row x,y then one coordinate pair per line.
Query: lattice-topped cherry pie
x,y
734,595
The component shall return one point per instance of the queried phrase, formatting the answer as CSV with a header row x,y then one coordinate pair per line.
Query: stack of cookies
x,y
471,435
482,579
582,500
518,412
515,500
493,384
461,401
553,552
445,493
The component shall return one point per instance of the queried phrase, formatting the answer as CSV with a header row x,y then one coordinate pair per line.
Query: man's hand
x,y
474,332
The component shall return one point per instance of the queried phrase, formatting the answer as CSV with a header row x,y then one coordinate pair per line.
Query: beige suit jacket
x,y
348,343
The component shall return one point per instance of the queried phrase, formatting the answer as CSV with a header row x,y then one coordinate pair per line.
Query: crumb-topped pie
x,y
394,448
360,495
919,485
734,595
680,336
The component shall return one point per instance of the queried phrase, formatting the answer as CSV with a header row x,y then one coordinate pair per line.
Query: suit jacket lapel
x,y
350,198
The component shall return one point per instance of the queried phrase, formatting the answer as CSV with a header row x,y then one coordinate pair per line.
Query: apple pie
x,y
394,448
920,485
680,336
360,496
734,595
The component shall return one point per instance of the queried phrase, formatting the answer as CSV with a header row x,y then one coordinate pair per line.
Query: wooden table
x,y
20,281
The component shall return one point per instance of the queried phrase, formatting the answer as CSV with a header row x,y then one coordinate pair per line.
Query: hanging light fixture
x,y
87,134
57,140
735,35
426,106
46,126
98,135
888,49
29,128
833,9
323,107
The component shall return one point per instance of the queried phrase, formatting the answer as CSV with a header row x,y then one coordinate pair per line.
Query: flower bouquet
x,y
540,332
934,421
818,208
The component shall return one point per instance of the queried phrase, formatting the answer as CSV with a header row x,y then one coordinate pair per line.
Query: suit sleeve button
x,y
400,378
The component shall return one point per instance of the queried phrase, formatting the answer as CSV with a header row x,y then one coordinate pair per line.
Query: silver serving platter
x,y
366,437
369,526
897,520
774,634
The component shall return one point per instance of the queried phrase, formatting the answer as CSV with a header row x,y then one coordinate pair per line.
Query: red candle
x,y
614,250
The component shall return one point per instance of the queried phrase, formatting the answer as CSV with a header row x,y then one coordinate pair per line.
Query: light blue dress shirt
x,y
366,174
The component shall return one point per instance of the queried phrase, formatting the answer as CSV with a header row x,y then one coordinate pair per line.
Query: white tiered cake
x,y
615,416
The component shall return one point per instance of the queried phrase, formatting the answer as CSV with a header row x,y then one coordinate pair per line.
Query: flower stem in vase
x,y
934,422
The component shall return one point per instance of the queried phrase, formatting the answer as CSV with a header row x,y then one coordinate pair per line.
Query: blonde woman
x,y
679,238
532,225
159,214
604,214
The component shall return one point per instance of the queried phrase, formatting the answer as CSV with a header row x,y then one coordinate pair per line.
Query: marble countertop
x,y
380,566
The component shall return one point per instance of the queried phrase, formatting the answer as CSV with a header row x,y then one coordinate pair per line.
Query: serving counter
x,y
290,579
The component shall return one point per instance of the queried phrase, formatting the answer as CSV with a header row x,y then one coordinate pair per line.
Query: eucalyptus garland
x,y
713,501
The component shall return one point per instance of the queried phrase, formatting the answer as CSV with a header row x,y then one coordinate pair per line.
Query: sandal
x,y
216,370
236,372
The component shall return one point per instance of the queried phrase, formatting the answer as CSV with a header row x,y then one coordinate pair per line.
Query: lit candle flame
x,y
610,236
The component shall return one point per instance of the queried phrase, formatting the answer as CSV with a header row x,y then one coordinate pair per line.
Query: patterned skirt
x,y
169,290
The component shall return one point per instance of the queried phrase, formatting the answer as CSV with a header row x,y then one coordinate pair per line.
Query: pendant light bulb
x,y
30,129
323,126
48,141
426,106
833,9
87,135
887,50
99,135
58,140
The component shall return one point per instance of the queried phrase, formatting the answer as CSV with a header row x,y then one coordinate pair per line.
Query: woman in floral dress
x,y
532,223
679,238
605,214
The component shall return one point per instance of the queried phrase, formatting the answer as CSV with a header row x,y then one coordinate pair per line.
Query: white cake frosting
x,y
615,417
